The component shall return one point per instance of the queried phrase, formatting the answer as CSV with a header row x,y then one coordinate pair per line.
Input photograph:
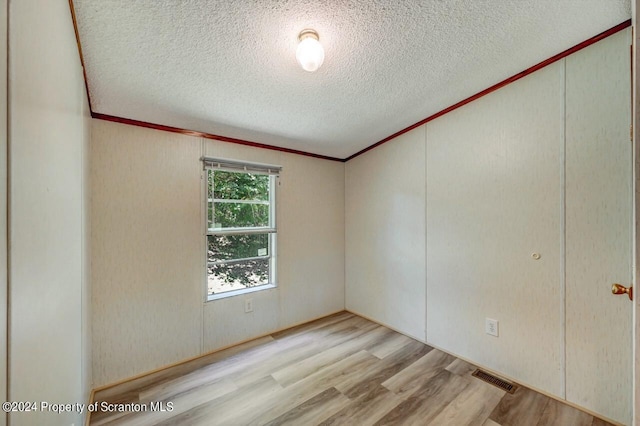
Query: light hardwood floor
x,y
339,370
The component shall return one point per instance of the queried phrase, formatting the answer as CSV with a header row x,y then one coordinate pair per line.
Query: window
x,y
241,227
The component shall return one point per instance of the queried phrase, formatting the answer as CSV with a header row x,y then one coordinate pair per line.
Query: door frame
x,y
635,137
4,190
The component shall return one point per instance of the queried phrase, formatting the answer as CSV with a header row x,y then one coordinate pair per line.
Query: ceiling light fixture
x,y
310,53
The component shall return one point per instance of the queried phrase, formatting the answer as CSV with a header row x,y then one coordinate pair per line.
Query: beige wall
x,y
147,250
48,141
598,227
385,240
494,180
527,169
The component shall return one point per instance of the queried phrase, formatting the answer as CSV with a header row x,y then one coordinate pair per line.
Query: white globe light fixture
x,y
310,53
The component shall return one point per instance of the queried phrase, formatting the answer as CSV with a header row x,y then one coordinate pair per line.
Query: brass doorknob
x,y
620,289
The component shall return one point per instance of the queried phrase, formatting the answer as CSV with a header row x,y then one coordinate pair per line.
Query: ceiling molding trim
x,y
501,84
509,80
178,130
84,70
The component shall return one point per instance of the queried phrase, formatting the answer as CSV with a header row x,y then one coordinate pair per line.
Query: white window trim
x,y
271,229
211,297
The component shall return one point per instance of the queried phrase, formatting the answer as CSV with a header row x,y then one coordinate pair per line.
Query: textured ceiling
x,y
229,67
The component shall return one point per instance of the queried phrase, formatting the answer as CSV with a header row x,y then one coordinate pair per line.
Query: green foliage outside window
x,y
240,200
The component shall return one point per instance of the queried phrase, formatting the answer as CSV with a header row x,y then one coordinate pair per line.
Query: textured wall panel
x,y
494,176
146,255
147,247
310,216
226,323
598,208
47,148
385,271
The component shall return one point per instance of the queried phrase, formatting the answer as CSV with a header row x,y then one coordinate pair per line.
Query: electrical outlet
x,y
248,306
491,327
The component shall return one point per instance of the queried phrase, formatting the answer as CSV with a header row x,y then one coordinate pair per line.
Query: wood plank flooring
x,y
339,370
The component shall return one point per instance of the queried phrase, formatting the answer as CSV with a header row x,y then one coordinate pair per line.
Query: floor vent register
x,y
495,381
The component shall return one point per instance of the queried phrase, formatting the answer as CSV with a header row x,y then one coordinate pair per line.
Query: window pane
x,y
228,247
237,276
241,186
240,215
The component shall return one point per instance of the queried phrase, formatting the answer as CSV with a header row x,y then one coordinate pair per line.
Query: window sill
x,y
239,292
